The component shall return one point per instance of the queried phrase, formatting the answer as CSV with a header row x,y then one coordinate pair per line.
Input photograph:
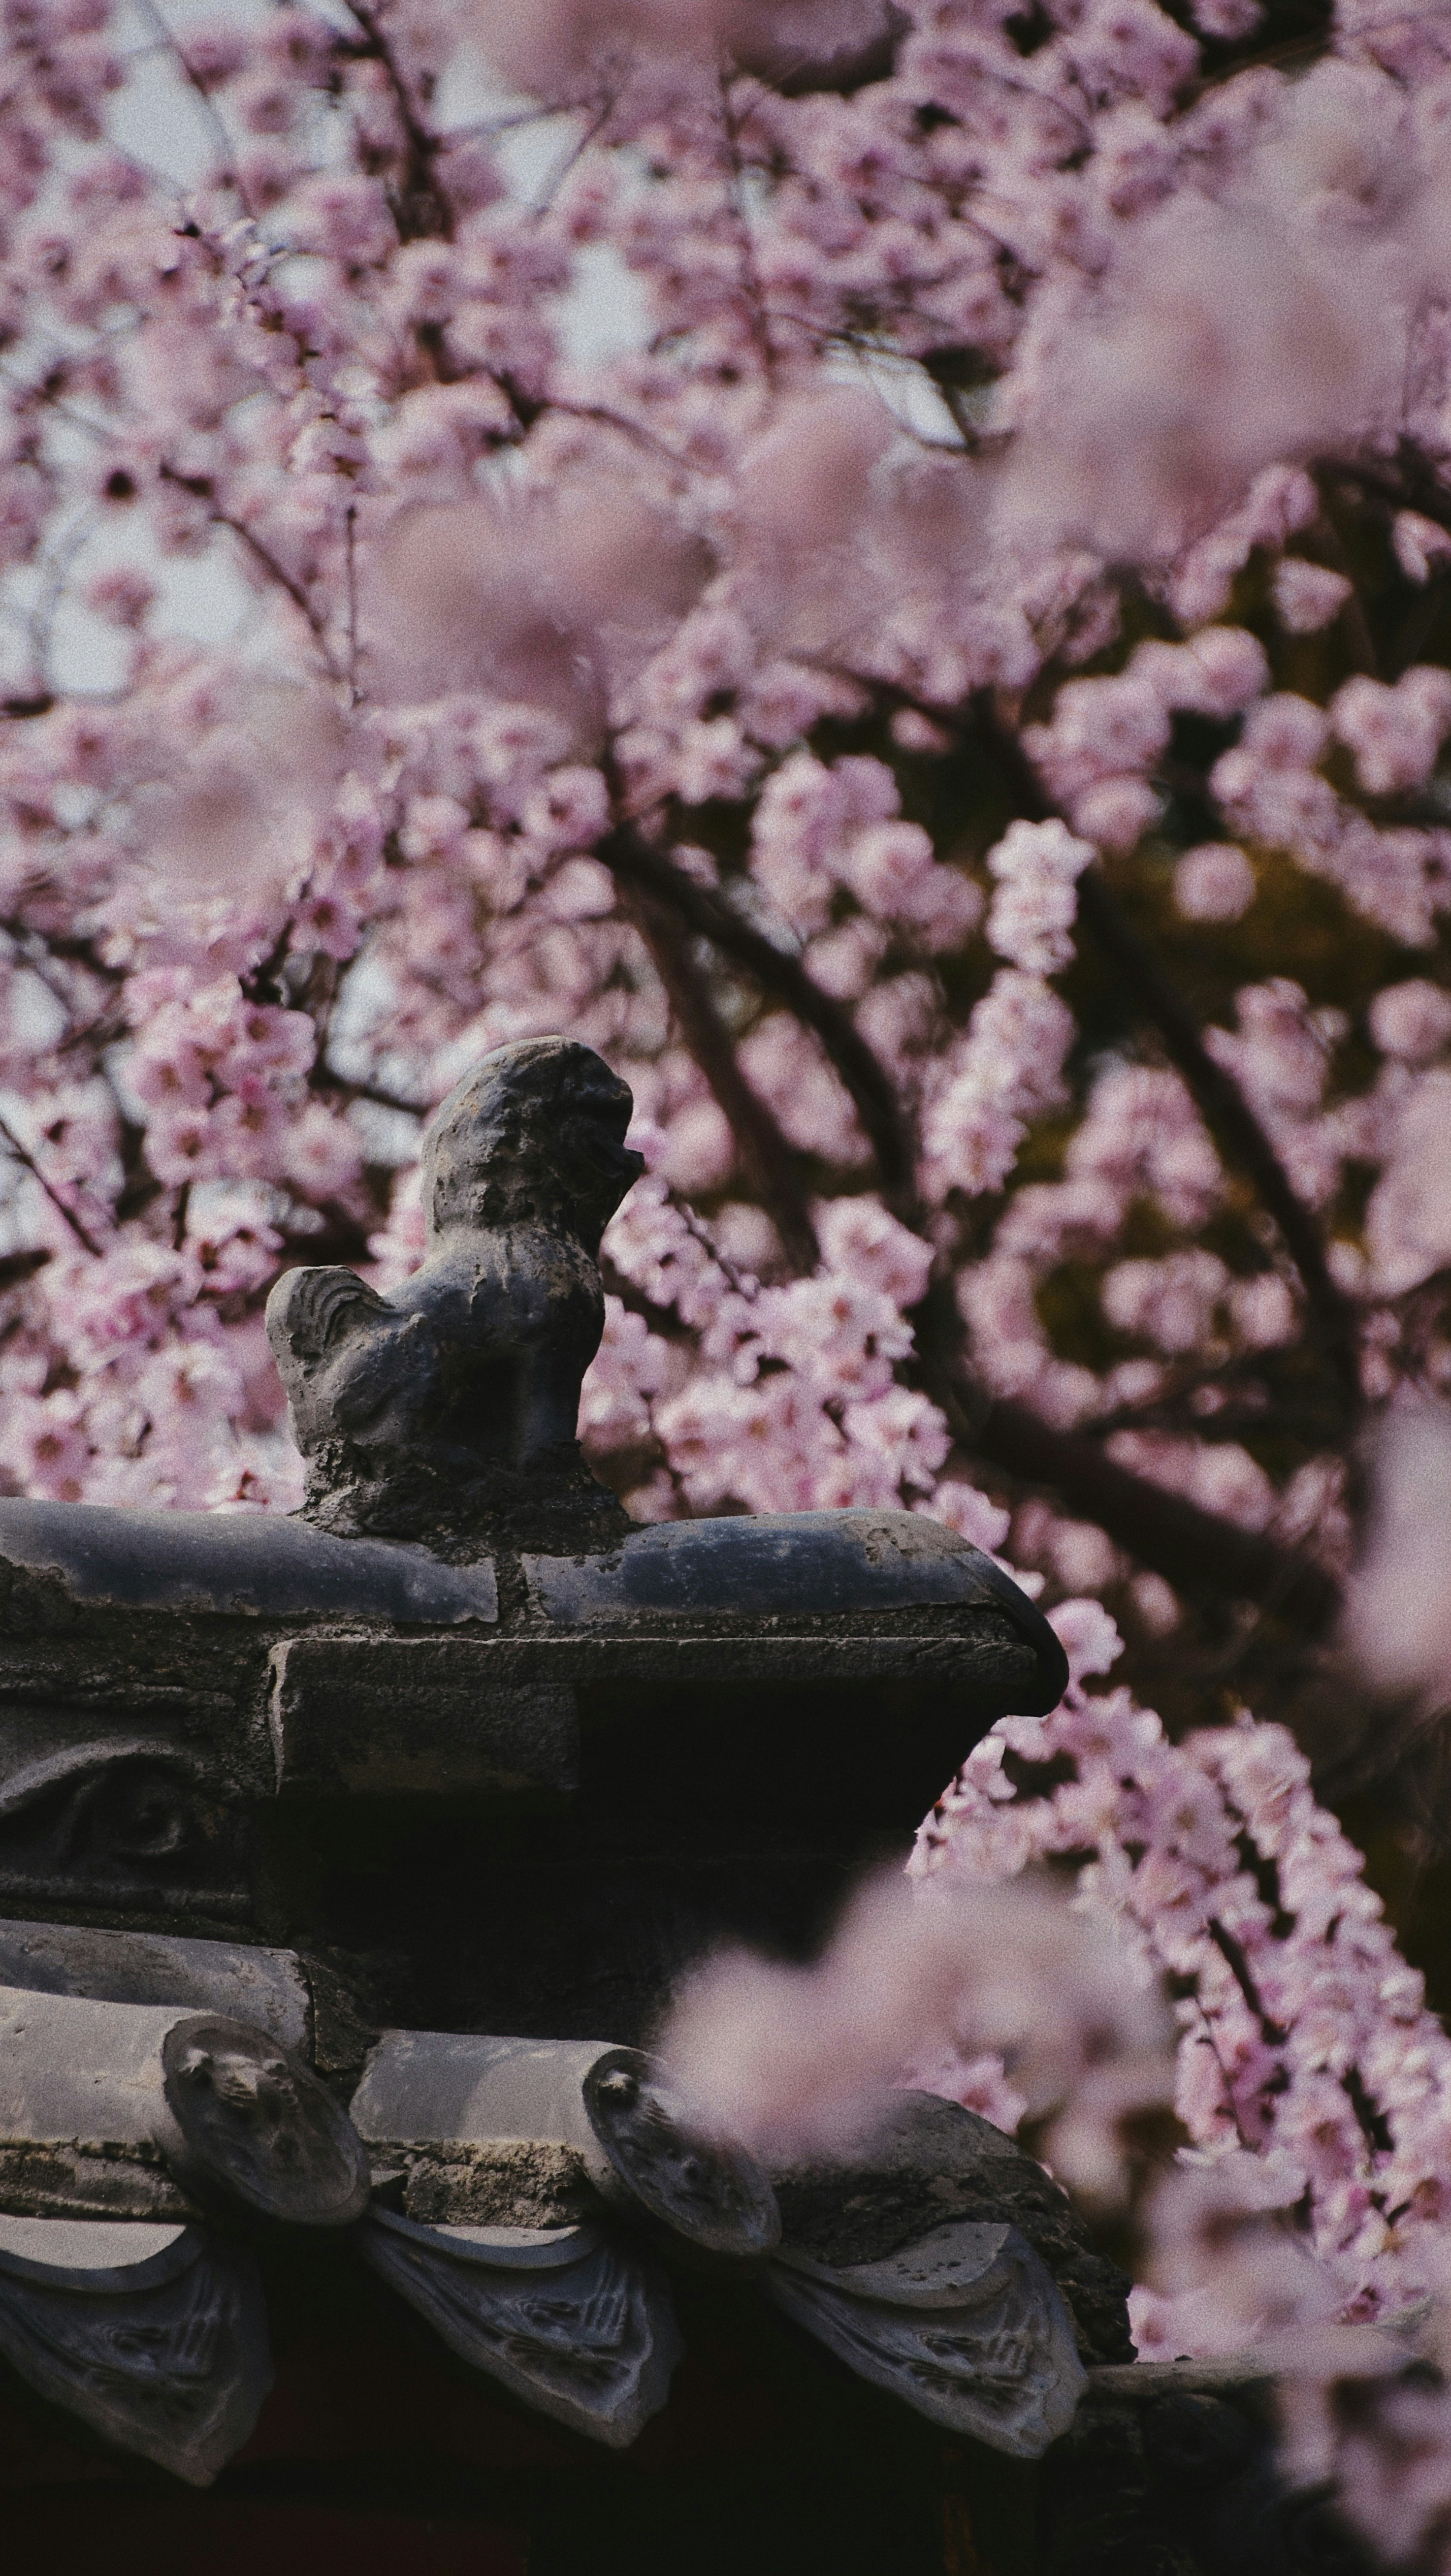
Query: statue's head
x,y
535,1130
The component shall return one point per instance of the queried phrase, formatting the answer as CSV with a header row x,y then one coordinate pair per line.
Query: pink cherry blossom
x,y
885,569
1032,912
1214,882
1308,595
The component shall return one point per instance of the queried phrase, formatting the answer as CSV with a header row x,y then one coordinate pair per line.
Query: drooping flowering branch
x,y
1303,2037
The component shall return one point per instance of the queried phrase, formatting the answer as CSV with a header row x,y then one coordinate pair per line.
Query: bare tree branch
x,y
632,861
763,1149
422,211
1213,1089
1193,1549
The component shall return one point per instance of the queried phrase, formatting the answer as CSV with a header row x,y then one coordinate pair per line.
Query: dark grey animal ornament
x,y
448,1409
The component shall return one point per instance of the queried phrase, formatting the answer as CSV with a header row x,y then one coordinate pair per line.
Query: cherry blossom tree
x,y
887,563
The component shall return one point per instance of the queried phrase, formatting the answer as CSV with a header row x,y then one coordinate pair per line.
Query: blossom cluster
x,y
1305,2050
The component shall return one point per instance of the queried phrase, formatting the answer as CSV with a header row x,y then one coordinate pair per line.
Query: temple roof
x,y
529,2199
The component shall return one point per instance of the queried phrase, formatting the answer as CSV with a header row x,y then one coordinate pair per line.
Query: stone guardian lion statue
x,y
451,1405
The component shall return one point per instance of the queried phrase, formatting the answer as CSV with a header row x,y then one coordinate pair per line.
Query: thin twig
x,y
632,429
278,573
275,571
54,402
744,1286
40,624
352,572
1239,1968
540,114
23,1155
210,109
601,117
